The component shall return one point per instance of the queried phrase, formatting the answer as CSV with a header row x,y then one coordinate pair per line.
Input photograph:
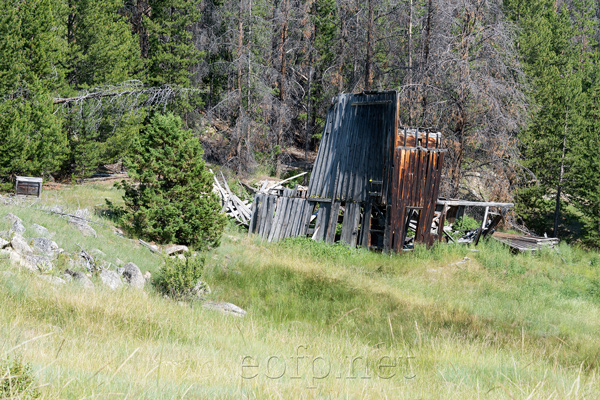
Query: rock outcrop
x,y
133,276
110,279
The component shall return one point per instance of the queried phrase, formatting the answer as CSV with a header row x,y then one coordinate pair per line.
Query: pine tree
x,y
585,173
102,48
101,51
31,137
171,51
171,199
558,63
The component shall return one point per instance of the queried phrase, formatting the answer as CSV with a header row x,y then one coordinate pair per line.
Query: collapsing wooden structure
x,y
373,184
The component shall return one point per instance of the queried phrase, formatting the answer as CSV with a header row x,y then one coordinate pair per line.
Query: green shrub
x,y
171,199
465,224
177,278
17,381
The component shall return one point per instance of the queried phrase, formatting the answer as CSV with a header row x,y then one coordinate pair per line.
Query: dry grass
x,y
497,326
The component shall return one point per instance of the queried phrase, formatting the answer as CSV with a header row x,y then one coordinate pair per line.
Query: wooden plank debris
x,y
524,243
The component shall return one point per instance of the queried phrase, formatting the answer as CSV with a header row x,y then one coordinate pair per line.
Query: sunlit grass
x,y
323,321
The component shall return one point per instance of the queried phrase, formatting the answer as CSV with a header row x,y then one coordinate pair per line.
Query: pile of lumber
x,y
524,242
232,204
241,210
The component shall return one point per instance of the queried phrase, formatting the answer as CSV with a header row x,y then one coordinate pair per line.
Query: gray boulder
x,y
82,226
10,217
40,230
18,227
3,243
224,308
133,276
42,263
176,249
31,262
80,278
45,246
19,244
110,279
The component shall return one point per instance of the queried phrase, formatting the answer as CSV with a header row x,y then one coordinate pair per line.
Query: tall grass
x,y
450,322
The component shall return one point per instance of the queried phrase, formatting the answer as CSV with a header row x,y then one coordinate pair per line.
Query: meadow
x,y
324,321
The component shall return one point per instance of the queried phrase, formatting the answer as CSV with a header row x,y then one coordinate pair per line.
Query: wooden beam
x,y
466,203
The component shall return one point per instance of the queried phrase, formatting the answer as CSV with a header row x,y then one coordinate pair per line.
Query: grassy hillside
x,y
323,321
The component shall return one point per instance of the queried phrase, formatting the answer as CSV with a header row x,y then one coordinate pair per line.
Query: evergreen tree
x,y
171,199
102,51
102,48
171,51
556,47
585,185
31,138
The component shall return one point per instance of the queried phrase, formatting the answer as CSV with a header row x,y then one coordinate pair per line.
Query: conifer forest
x,y
513,85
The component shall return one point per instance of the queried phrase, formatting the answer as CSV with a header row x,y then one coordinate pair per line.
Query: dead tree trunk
x,y
240,49
282,70
369,59
426,47
410,66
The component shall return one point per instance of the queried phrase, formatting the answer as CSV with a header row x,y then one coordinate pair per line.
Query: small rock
x,y
19,244
201,290
147,276
12,218
133,276
83,227
40,230
18,227
225,308
176,249
80,278
111,279
3,243
55,280
45,246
